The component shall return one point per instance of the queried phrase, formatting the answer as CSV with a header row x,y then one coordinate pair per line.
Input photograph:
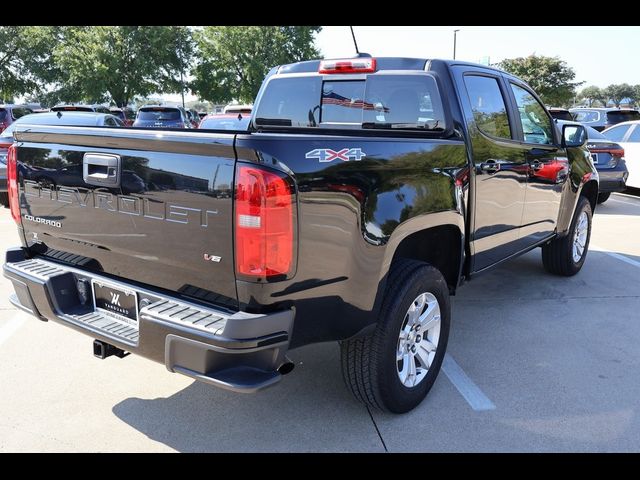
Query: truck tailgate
x,y
168,221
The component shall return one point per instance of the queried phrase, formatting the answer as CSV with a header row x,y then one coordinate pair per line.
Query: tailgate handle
x,y
101,169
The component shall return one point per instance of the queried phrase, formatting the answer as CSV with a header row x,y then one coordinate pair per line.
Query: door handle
x,y
101,169
490,166
536,165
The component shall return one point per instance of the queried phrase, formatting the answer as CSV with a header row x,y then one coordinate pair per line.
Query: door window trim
x,y
505,98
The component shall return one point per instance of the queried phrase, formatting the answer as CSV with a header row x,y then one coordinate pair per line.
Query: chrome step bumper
x,y
233,350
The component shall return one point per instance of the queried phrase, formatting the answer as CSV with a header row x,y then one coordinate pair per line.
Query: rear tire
x,y
4,199
565,256
603,197
394,367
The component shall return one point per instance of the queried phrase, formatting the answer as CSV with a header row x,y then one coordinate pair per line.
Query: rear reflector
x,y
353,65
12,183
263,223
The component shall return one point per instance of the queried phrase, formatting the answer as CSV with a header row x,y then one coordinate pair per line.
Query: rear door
x,y
500,167
171,206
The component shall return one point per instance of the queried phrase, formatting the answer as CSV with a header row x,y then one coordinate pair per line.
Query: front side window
x,y
536,125
488,106
616,134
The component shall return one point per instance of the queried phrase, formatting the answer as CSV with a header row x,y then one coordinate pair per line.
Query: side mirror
x,y
573,136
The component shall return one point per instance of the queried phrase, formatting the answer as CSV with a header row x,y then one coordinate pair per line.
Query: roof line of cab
x,y
382,63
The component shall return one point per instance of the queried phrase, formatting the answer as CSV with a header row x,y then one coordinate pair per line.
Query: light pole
x,y
454,43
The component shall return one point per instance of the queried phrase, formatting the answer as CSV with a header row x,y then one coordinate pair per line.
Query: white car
x,y
627,134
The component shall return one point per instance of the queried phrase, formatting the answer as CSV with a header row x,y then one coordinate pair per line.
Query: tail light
x,y
263,223
12,181
3,125
352,65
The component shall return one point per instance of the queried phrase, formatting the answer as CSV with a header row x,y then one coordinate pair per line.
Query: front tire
x,y
4,199
565,256
603,197
394,367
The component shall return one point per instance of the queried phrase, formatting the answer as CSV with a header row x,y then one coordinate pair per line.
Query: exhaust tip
x,y
286,367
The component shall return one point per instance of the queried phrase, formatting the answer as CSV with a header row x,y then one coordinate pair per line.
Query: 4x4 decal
x,y
327,155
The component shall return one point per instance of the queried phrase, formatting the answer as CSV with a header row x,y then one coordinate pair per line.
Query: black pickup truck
x,y
365,191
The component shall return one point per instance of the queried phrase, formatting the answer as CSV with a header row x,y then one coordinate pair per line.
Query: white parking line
x,y
635,204
622,258
9,327
469,390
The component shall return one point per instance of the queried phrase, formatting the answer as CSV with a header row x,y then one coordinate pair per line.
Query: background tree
x,y
116,63
636,95
618,92
26,62
550,77
592,95
232,61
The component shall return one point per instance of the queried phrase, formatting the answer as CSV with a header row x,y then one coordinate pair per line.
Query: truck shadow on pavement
x,y
309,410
552,391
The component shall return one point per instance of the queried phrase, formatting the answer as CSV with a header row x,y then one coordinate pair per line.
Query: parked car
x,y
50,118
601,118
10,113
560,113
160,116
226,122
238,109
127,115
627,134
365,191
609,159
72,107
194,117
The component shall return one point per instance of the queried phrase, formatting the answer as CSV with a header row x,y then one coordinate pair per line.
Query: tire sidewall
x,y
583,206
397,397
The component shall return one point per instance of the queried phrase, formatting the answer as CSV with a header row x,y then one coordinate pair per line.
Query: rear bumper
x,y
232,350
613,180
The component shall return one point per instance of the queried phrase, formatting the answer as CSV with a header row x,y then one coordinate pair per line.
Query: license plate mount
x,y
116,302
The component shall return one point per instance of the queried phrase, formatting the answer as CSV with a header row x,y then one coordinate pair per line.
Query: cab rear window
x,y
158,114
387,102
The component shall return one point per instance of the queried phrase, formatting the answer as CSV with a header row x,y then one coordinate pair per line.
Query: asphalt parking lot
x,y
535,363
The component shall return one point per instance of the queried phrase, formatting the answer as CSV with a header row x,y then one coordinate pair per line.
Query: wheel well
x,y
590,191
438,246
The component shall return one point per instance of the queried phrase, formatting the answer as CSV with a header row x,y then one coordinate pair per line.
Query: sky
x,y
599,55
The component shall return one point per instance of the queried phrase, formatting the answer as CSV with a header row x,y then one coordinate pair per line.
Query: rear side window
x,y
635,135
622,116
3,114
16,113
616,134
389,102
488,106
159,114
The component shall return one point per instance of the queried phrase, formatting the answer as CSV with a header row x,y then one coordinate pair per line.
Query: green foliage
x,y
592,95
232,61
550,77
101,63
25,59
617,92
